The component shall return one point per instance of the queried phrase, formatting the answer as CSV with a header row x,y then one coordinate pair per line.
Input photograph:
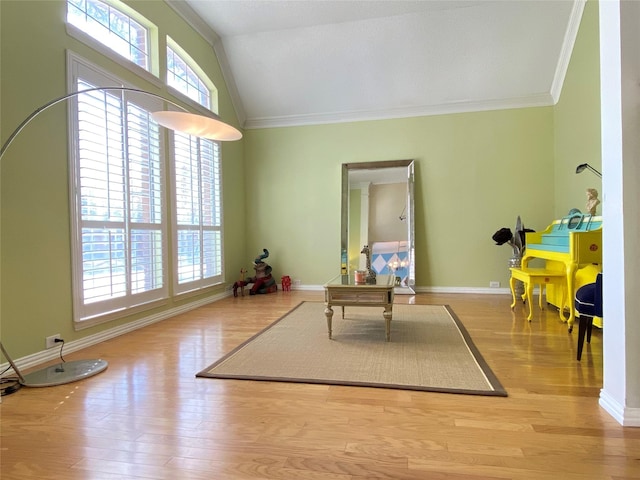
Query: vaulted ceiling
x,y
297,62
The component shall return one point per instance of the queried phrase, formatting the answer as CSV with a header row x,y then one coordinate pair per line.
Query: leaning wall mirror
x,y
378,211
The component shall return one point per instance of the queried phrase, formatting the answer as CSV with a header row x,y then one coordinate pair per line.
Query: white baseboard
x,y
308,288
75,345
475,290
625,416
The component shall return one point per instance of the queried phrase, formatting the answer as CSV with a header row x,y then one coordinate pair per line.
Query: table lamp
x,y
585,166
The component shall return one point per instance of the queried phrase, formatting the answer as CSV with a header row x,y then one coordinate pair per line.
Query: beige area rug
x,y
430,350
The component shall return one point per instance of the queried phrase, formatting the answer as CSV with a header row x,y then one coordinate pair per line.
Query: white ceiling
x,y
296,62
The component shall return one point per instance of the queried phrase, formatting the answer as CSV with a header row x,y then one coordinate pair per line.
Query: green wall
x,y
475,173
577,120
36,261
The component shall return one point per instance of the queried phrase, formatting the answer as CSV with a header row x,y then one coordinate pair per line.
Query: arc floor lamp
x,y
204,126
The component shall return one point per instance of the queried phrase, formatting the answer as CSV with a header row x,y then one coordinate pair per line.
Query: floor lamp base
x,y
62,373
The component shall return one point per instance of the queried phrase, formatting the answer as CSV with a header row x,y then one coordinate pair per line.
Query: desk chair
x,y
588,304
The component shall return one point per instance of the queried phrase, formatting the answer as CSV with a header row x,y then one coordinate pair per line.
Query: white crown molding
x,y
189,15
541,100
205,31
229,79
567,49
544,99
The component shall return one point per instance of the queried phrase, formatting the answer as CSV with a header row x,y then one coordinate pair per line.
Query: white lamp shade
x,y
198,125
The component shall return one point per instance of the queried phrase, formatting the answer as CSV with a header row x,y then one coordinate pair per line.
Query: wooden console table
x,y
343,291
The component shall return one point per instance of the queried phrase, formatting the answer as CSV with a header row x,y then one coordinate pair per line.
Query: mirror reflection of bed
x,y
377,210
391,258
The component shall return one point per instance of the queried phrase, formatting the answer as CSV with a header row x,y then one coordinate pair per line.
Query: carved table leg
x,y
561,309
329,314
387,321
512,286
529,293
571,271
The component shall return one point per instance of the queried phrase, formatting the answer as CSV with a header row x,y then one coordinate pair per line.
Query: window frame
x,y
151,74
213,97
202,282
89,314
172,287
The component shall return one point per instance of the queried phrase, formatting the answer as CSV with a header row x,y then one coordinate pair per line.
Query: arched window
x,y
125,176
181,77
197,184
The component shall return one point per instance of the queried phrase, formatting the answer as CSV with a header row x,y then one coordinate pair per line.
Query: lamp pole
x,y
205,126
219,124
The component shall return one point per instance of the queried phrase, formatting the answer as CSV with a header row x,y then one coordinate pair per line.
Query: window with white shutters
x,y
198,225
197,195
118,188
123,261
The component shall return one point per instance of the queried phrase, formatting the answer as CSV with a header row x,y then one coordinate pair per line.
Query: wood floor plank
x,y
148,417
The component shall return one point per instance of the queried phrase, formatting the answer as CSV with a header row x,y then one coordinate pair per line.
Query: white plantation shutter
x,y
198,232
197,195
119,235
118,187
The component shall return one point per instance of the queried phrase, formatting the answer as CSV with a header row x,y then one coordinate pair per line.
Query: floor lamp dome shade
x,y
585,166
205,126
198,125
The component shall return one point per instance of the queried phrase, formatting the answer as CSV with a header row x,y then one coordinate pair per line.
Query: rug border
x,y
498,389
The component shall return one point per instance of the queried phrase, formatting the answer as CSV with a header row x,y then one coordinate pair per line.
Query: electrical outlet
x,y
296,283
494,284
50,342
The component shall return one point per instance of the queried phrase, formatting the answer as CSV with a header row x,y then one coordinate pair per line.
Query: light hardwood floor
x,y
148,417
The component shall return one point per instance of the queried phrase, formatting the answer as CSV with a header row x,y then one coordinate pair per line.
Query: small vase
x,y
516,262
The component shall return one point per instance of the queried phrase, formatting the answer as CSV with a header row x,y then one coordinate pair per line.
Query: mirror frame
x,y
344,228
